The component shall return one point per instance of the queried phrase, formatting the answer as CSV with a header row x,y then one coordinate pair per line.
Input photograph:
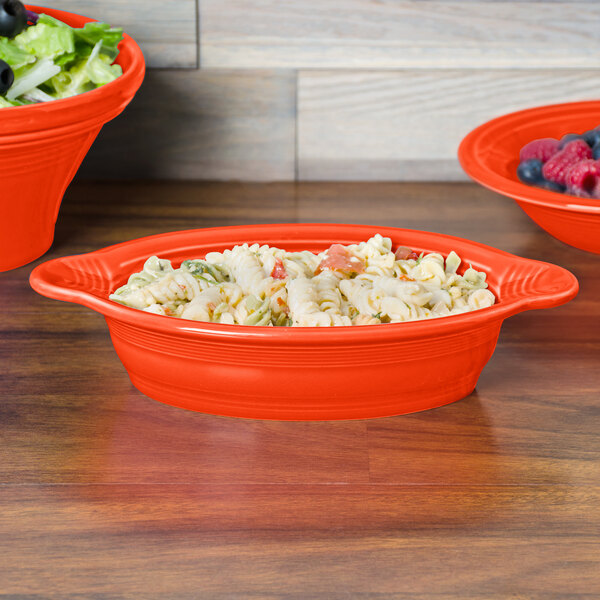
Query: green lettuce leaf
x,y
101,71
46,41
85,75
11,54
7,103
44,19
92,33
53,60
65,59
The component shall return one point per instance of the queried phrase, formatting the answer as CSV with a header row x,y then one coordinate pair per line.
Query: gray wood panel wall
x,y
167,30
334,89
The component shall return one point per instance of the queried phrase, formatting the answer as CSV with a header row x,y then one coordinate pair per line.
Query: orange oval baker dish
x,y
42,146
490,156
297,373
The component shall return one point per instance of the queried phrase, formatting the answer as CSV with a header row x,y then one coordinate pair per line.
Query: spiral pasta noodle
x,y
259,285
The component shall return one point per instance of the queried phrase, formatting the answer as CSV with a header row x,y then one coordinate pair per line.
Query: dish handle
x,y
533,284
83,279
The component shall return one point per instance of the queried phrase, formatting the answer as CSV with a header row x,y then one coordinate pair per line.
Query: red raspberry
x,y
556,168
541,149
583,178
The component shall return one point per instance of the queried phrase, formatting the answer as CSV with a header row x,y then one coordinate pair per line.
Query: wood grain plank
x,y
407,125
311,542
128,437
532,428
360,34
201,125
166,30
524,428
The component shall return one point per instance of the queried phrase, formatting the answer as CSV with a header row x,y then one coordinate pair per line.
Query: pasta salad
x,y
359,284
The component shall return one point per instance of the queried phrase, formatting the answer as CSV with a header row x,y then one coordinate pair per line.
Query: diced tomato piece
x,y
286,308
279,271
404,253
339,258
405,278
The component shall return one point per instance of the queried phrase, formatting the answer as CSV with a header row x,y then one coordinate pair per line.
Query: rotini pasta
x,y
359,284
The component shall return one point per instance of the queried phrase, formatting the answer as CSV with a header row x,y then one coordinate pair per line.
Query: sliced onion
x,y
41,71
37,95
32,17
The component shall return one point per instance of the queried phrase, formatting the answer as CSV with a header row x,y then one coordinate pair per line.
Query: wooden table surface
x,y
106,494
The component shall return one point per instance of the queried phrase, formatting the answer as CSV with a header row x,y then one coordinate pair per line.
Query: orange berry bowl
x,y
490,155
302,373
42,146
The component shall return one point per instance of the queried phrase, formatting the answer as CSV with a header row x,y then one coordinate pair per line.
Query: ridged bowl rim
x,y
521,283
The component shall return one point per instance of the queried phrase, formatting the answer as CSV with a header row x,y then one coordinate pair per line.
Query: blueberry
x,y
530,171
13,18
596,151
6,77
592,137
565,139
552,186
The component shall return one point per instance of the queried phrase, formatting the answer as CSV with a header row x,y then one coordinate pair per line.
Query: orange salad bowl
x,y
302,373
490,156
42,146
